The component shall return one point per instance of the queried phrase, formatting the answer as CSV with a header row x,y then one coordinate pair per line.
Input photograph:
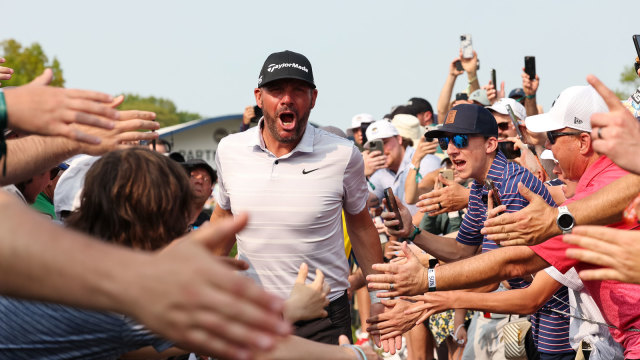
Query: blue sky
x,y
367,55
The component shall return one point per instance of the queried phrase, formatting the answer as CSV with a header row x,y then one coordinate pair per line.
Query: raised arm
x,y
447,89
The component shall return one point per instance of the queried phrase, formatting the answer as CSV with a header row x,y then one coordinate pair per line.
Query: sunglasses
x,y
503,126
554,135
460,141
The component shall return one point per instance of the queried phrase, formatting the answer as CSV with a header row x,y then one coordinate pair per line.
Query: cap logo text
x,y
577,121
451,116
273,67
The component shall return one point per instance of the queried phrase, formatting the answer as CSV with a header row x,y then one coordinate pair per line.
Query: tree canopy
x,y
630,80
166,112
28,62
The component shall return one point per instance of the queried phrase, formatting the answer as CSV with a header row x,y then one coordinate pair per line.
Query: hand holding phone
x,y
377,145
392,206
530,66
489,185
466,46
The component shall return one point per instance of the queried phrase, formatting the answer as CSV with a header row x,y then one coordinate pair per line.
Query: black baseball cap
x,y
418,105
467,119
286,65
517,93
201,164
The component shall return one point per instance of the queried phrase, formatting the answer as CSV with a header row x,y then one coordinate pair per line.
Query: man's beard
x,y
301,124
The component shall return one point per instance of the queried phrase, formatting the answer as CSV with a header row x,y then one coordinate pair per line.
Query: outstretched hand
x,y
36,108
406,278
452,197
617,251
307,302
210,308
5,72
532,225
616,133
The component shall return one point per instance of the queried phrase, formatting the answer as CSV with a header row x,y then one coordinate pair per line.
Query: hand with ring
x,y
452,197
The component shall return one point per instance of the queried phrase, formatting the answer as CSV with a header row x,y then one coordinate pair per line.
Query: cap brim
x,y
443,131
313,86
542,123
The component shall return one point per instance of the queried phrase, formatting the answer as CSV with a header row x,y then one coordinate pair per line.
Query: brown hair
x,y
135,197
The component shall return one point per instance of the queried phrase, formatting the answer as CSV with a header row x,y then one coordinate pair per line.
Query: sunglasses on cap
x,y
459,140
554,135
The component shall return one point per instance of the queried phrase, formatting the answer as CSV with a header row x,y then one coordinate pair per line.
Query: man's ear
x,y
491,144
257,92
399,139
586,146
314,95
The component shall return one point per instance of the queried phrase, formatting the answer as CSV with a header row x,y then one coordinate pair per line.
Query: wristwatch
x,y
565,220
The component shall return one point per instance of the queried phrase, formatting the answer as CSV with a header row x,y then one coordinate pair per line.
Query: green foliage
x,y
629,78
166,112
28,63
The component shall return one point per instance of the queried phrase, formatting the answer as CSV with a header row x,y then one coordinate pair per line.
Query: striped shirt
x,y
294,203
550,330
36,330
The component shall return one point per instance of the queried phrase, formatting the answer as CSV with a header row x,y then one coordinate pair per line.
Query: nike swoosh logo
x,y
305,172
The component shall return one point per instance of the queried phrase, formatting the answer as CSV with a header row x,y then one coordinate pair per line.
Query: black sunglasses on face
x,y
503,126
554,135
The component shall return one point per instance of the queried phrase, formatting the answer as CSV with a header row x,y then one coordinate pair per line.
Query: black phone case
x,y
530,66
393,206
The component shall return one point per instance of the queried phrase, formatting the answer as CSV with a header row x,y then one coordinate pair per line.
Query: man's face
x,y
357,135
426,118
505,126
286,105
201,183
394,151
472,162
566,151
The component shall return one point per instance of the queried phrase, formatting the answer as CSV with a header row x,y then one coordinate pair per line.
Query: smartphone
x,y
363,131
462,96
493,80
466,46
514,121
509,150
636,42
447,174
427,129
458,65
490,185
530,66
393,207
257,114
377,145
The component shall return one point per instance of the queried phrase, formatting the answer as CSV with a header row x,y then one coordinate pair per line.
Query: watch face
x,y
565,221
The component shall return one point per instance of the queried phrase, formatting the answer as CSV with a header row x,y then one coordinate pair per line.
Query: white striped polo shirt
x,y
294,204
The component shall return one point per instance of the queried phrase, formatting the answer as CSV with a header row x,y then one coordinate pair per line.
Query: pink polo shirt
x,y
617,301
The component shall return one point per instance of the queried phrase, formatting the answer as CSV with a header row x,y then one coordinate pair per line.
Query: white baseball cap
x,y
500,107
358,120
480,96
380,129
408,126
572,109
547,155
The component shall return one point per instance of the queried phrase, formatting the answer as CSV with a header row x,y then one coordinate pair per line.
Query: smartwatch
x,y
565,220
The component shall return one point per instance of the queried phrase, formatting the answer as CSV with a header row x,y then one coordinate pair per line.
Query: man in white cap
x,y
356,127
397,165
505,125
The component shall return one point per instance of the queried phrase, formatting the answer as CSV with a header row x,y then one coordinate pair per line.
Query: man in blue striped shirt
x,y
469,135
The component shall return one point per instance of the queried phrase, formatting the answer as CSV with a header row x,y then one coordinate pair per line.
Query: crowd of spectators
x,y
484,229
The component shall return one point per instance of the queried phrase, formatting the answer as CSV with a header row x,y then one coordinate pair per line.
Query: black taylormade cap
x,y
201,164
467,119
286,65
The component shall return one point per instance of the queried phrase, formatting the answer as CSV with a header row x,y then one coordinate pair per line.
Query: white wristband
x,y
431,279
372,296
